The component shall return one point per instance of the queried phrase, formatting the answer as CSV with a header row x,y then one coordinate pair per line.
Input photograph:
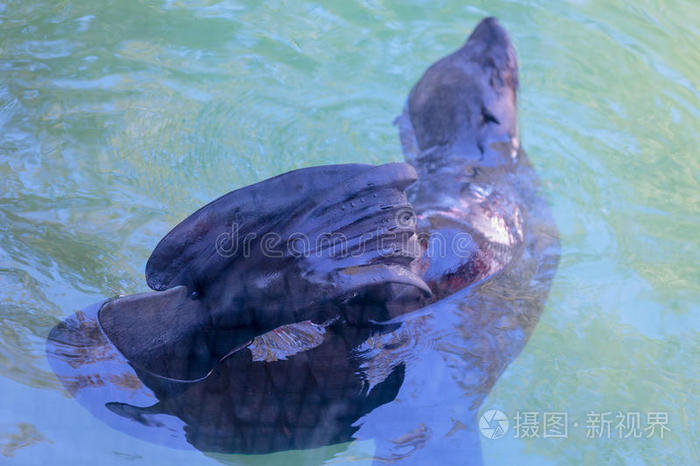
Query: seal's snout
x,y
490,32
490,45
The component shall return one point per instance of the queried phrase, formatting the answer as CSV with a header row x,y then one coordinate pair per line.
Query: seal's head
x,y
465,104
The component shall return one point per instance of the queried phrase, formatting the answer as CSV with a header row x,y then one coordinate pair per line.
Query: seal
x,y
269,345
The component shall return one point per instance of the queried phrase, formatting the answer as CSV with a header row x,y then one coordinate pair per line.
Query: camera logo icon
x,y
493,424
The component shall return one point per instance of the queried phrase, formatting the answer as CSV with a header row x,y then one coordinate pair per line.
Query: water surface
x,y
119,119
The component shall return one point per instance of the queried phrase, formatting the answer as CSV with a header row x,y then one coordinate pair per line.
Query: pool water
x,y
119,119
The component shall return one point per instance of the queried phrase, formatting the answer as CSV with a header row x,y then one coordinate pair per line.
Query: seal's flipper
x,y
279,251
207,241
167,334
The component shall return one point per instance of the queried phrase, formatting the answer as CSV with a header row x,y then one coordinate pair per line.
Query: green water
x,y
119,119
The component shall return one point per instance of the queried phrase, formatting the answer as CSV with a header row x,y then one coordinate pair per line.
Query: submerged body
x,y
475,267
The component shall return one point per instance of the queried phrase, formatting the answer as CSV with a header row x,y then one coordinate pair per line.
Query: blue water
x,y
119,119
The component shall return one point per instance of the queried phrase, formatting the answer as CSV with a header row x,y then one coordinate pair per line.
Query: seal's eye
x,y
487,117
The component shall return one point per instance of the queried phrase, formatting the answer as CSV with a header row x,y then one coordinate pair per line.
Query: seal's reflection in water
x,y
299,386
252,405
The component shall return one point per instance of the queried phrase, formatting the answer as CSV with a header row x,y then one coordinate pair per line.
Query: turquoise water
x,y
119,119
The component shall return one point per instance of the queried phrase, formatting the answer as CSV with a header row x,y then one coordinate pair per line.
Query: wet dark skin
x,y
468,276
